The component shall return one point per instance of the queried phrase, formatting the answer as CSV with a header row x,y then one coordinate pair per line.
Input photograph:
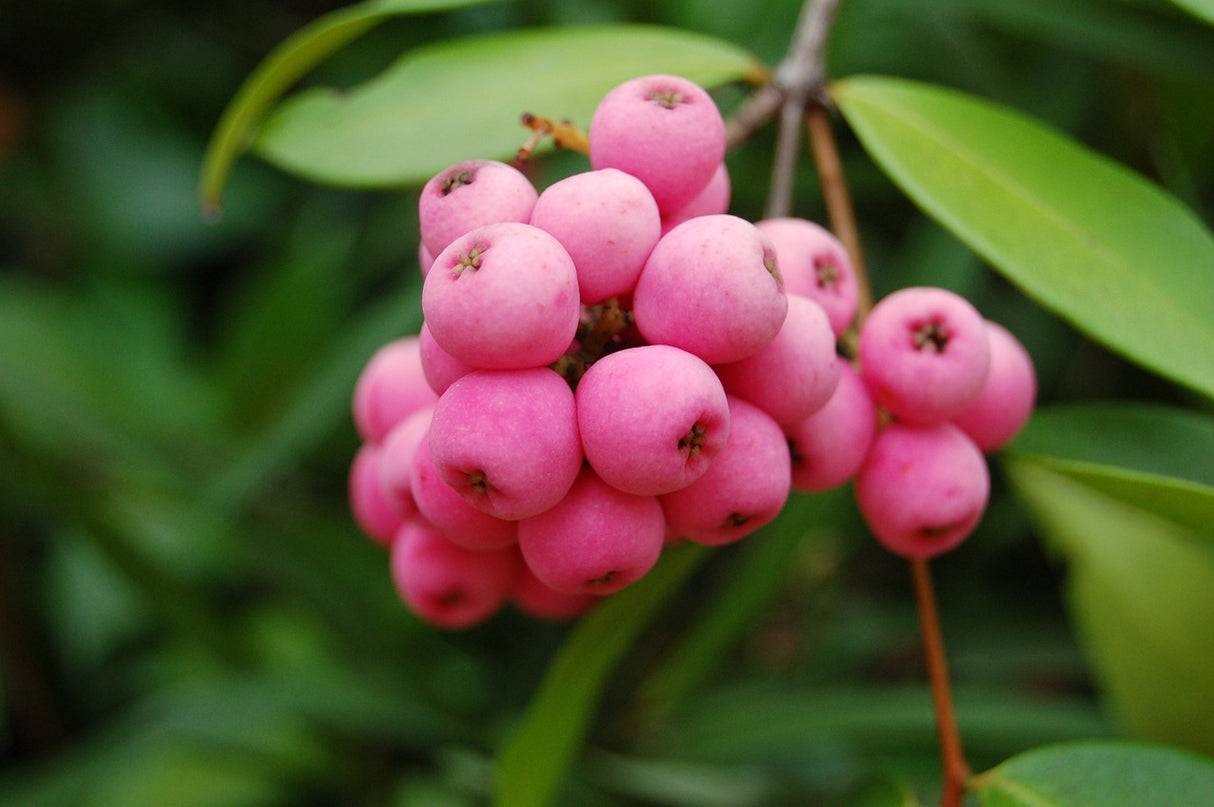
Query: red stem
x,y
956,769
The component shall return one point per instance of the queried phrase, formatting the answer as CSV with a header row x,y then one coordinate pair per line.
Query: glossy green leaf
x,y
1103,248
536,758
1099,774
1198,8
1141,595
1155,457
289,62
462,99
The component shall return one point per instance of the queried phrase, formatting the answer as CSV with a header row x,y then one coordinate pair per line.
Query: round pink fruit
x,y
507,440
651,418
537,599
795,374
596,540
924,354
608,222
373,511
1007,399
923,488
396,459
468,195
744,488
390,387
711,286
815,264
438,366
712,199
664,130
829,446
447,585
448,511
503,296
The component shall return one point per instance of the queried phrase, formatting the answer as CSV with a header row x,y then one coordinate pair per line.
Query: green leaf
x,y
1155,457
1141,595
1203,9
1106,250
1099,774
289,62
463,98
535,759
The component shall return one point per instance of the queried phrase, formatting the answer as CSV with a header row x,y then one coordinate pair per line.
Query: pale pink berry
x,y
923,488
390,387
924,354
744,488
829,446
608,222
438,366
445,584
503,296
535,598
651,418
712,199
665,130
816,265
450,513
596,540
711,286
396,459
372,510
468,195
1006,401
795,373
507,440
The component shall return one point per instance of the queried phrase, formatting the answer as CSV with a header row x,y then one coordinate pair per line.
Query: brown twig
x,y
955,768
839,208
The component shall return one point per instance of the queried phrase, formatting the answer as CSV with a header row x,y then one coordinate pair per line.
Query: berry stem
x,y
835,194
956,769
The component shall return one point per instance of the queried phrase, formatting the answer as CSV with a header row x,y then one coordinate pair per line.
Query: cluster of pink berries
x,y
616,363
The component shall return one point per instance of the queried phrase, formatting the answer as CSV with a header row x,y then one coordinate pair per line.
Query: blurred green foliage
x,y
188,616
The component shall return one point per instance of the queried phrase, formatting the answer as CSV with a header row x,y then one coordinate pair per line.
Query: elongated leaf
x,y
1111,253
1099,774
1158,458
1141,594
1198,8
535,760
289,62
462,99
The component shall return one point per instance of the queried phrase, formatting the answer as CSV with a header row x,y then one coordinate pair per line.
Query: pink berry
x,y
923,488
711,200
503,296
651,418
396,459
438,366
537,599
815,264
447,585
924,354
468,195
744,488
596,540
372,510
664,130
390,387
829,446
1007,398
795,374
449,513
711,287
507,440
608,222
